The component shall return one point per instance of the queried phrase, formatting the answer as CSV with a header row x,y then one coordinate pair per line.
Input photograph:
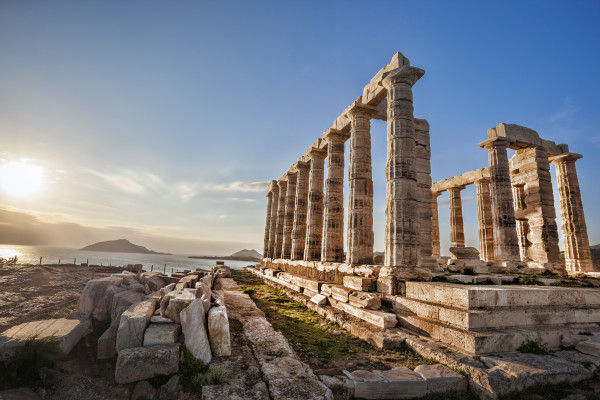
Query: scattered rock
x,y
173,302
161,334
92,294
590,346
194,331
133,325
341,387
218,331
139,363
440,378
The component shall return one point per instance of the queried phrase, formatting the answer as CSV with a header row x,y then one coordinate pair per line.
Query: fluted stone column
x,y
273,219
575,237
521,222
288,225
401,230
268,223
506,245
314,229
300,211
333,218
280,219
435,225
360,202
484,217
457,232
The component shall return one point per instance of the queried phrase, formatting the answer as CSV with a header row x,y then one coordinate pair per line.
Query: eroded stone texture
x,y
506,245
457,231
360,202
424,194
401,232
484,216
288,222
333,219
280,218
300,211
435,226
273,219
575,237
314,230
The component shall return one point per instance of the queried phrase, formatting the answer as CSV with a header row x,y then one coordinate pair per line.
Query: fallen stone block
x,y
218,331
365,300
591,346
92,294
102,312
326,289
440,378
367,385
68,332
133,325
157,319
341,387
124,299
154,283
174,302
161,334
359,283
401,383
140,363
194,330
319,299
309,293
340,293
570,341
375,317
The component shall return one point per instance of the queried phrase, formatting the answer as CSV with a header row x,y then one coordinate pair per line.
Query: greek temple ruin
x,y
515,201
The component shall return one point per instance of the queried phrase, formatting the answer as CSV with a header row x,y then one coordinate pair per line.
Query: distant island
x,y
120,246
242,255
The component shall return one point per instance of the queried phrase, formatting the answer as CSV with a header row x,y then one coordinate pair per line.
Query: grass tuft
x,y
533,347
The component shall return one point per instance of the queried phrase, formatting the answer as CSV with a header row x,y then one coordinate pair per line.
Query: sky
x,y
164,121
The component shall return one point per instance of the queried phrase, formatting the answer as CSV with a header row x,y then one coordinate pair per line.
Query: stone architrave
x,y
360,202
435,225
314,229
457,232
506,245
273,219
288,224
280,218
300,211
333,218
401,230
268,221
575,237
484,217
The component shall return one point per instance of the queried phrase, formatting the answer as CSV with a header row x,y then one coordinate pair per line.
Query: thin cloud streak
x,y
238,186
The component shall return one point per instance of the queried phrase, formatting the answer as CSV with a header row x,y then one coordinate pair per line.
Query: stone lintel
x,y
468,178
374,93
522,137
496,141
565,157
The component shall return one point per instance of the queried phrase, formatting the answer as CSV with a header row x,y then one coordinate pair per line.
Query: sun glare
x,y
21,179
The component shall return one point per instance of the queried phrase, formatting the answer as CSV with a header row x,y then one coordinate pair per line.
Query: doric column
x,y
273,219
333,219
360,201
268,221
575,236
521,221
435,225
288,224
401,230
300,210
484,216
314,229
457,232
506,245
280,218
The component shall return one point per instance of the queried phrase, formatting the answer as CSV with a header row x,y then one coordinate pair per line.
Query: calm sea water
x,y
52,255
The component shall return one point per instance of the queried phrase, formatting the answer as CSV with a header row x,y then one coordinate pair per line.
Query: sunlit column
x,y
314,228
300,210
457,232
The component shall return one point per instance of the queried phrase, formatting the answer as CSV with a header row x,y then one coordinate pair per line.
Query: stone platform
x,y
494,319
67,331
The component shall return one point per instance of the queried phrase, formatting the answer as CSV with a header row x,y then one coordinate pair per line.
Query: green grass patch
x,y
23,367
533,347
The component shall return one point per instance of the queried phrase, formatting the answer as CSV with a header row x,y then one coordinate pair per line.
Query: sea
x,y
157,262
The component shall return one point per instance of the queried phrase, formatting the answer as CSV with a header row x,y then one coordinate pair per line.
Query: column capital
x,y
358,109
456,188
336,134
300,165
494,142
436,194
406,74
272,185
316,152
482,181
565,157
282,182
290,174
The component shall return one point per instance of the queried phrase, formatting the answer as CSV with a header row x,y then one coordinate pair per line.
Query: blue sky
x,y
158,117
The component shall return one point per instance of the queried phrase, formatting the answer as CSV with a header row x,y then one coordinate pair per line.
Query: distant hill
x,y
119,246
242,255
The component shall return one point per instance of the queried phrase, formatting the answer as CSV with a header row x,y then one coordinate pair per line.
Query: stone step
x,y
499,317
472,296
491,340
378,318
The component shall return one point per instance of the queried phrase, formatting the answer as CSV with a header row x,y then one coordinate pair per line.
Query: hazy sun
x,y
21,179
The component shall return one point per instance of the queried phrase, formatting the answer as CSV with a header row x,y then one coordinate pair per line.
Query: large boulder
x,y
175,301
140,363
124,299
154,283
218,331
133,325
92,294
193,326
205,284
102,312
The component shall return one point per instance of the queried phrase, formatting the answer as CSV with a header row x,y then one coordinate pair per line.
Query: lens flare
x,y
21,179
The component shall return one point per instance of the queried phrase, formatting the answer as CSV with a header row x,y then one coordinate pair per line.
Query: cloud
x,y
247,200
222,216
187,190
567,111
239,186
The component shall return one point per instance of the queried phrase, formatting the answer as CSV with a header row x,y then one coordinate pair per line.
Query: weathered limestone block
x,y
465,253
570,341
124,299
174,302
67,331
133,325
205,285
397,383
92,294
327,289
440,378
193,326
340,293
591,346
319,299
157,319
161,333
218,331
107,343
139,363
360,283
102,312
308,292
365,300
341,386
154,283
378,318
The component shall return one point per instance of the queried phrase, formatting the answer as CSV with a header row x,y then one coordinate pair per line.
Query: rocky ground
x,y
32,292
